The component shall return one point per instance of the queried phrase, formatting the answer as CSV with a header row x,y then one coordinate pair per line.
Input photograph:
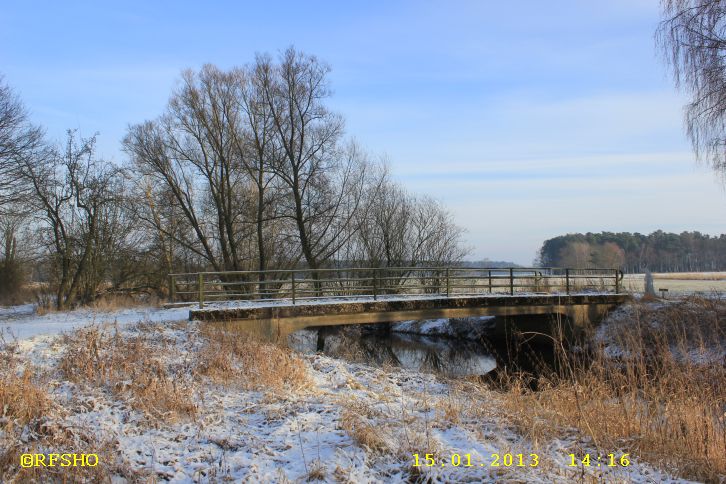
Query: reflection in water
x,y
451,357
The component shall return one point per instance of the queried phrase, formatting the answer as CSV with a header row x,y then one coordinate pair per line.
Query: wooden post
x,y
448,283
617,281
172,289
200,283
567,280
293,288
490,282
511,281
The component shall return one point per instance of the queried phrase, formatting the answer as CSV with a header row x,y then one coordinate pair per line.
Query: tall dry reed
x,y
653,386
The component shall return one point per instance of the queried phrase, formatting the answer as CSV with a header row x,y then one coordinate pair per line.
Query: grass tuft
x,y
235,358
128,367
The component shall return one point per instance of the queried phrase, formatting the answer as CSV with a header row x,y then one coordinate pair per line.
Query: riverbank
x,y
174,400
180,402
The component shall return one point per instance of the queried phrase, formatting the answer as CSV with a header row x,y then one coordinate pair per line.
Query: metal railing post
x,y
200,282
448,283
172,289
567,280
375,285
233,284
293,288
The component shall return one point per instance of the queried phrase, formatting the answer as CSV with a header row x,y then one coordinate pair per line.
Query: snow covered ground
x,y
696,334
354,423
22,322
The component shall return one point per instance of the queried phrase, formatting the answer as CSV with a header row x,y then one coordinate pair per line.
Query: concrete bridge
x,y
573,312
274,304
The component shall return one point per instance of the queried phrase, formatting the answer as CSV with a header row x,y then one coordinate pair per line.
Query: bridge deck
x,y
282,318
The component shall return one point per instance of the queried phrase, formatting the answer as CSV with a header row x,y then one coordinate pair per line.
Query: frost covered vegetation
x,y
654,383
191,402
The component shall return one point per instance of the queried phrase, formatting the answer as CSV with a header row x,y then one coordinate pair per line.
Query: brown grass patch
x,y
663,400
384,434
235,358
114,302
130,367
450,408
22,399
363,429
31,422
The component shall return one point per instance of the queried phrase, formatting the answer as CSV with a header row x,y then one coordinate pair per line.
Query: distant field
x,y
679,282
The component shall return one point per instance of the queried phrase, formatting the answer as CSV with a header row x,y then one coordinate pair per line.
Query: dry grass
x,y
236,358
451,408
679,282
691,276
128,367
663,400
316,472
386,431
114,302
359,421
22,399
32,422
45,302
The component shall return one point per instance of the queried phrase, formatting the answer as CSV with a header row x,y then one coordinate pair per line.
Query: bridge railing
x,y
310,284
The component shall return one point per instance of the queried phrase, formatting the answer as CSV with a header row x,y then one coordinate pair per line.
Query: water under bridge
x,y
276,303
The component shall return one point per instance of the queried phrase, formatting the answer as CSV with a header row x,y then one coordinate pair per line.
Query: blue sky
x,y
527,119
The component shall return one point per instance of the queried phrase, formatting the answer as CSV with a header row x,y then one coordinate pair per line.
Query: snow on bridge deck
x,y
282,317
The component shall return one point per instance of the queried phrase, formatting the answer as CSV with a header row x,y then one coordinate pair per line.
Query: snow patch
x,y
466,328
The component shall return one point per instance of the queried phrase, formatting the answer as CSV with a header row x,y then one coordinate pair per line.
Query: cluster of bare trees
x,y
19,141
247,169
581,255
63,213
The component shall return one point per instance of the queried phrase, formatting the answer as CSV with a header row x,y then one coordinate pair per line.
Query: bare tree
x,y
12,274
191,153
693,41
384,234
436,238
401,229
324,180
169,189
260,154
577,255
75,198
609,255
19,139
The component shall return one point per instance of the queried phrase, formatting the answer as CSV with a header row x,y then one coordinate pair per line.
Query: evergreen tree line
x,y
245,169
634,252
